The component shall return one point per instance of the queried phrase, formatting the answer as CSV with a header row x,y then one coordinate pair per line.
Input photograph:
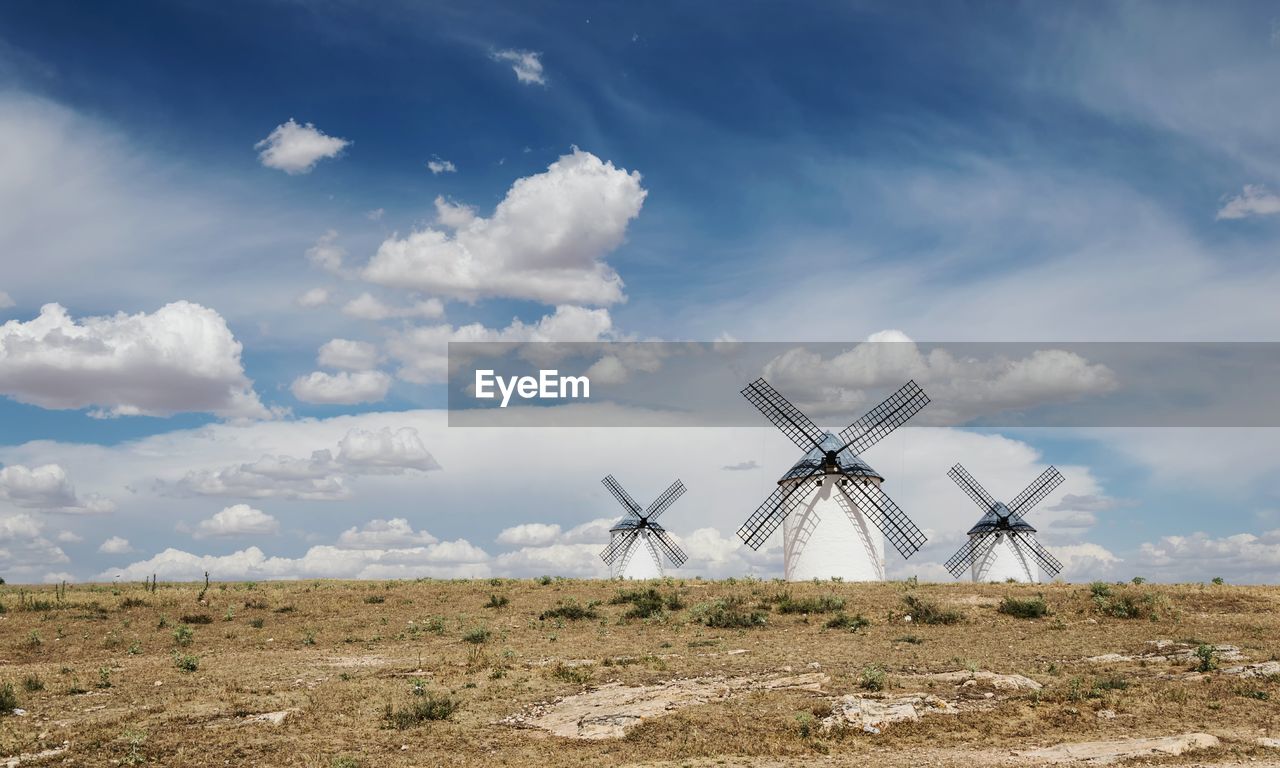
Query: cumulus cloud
x,y
423,351
326,253
367,307
1255,200
438,166
526,64
237,520
343,388
962,388
1240,558
49,489
348,355
295,148
396,533
24,552
529,534
6,300
115,545
314,297
322,476
546,240
181,358
68,537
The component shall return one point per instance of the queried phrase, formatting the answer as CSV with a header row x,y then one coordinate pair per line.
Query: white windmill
x,y
636,539
1002,545
835,518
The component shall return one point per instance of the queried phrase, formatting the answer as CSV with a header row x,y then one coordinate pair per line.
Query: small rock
x,y
158,683
814,665
1101,752
787,668
19,711
1268,743
1106,714
735,652
870,729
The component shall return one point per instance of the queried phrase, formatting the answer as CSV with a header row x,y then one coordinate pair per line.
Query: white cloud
x,y
529,534
343,388
49,489
237,520
326,253
314,297
961,387
295,148
6,301
741,466
366,307
545,241
15,527
396,533
423,351
376,214
348,355
68,537
526,64
1242,558
115,545
438,166
181,358
1255,200
322,477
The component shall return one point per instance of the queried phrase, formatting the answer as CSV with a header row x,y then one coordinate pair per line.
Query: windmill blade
x,y
964,558
971,486
1047,561
785,416
884,418
622,496
619,543
673,552
886,515
771,513
1033,494
667,498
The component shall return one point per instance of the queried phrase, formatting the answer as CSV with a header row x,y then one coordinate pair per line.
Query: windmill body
x,y
1002,545
637,542
833,514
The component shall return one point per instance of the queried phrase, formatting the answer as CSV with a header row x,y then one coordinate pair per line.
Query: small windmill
x,y
633,551
1002,545
840,527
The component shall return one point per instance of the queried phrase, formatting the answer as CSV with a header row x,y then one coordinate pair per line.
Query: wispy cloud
x,y
1255,200
526,64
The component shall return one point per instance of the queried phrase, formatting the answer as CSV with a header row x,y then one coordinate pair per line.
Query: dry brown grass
x,y
336,657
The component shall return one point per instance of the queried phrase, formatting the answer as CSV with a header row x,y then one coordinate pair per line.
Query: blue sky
x,y
965,171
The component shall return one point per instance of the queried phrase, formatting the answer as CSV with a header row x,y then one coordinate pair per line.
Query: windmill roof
x,y
850,463
991,521
628,523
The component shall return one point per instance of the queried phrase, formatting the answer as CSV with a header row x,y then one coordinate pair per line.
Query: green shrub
x,y
8,699
375,599
1029,608
543,580
133,602
477,636
729,613
823,604
424,706
873,678
32,683
186,662
571,611
195,618
647,603
183,635
1100,589
1208,656
579,674
498,601
257,623
845,621
927,612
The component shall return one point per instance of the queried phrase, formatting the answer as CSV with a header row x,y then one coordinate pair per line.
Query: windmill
x,y
838,528
1002,545
633,551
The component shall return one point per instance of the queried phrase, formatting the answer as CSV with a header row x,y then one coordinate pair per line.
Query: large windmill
x,y
836,528
633,549
1002,545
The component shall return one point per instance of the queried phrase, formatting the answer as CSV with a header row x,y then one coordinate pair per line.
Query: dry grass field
x,y
342,674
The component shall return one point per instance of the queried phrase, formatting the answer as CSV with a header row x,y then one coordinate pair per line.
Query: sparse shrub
x,y
1208,656
1138,581
1219,581
33,641
345,761
196,618
133,602
254,603
8,698
1127,605
497,601
183,635
873,678
571,611
647,603
844,621
257,623
577,674
1103,684
375,599
911,639
823,604
544,580
435,624
1029,608
1100,589
285,609
308,638
134,649
729,613
104,677
32,683
186,662
477,636
423,707
928,612
1253,693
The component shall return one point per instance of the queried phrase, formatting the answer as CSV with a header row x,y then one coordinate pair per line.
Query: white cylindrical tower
x,y
1006,559
826,536
640,558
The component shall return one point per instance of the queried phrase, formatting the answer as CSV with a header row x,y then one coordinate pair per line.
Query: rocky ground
x,y
672,673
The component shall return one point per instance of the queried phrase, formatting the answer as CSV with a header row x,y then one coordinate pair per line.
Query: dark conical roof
x,y
994,518
850,463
